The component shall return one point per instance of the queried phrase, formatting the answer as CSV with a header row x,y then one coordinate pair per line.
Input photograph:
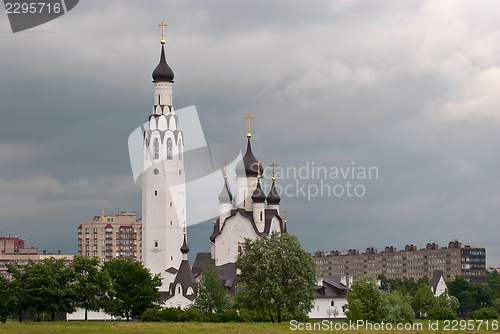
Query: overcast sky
x,y
408,87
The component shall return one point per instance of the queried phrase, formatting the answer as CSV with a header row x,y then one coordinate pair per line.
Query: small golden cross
x,y
258,168
248,117
225,169
285,212
162,33
273,165
215,215
184,227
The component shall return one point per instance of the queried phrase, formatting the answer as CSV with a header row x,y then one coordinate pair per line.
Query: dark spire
x,y
225,195
248,166
216,230
163,72
258,195
273,197
184,247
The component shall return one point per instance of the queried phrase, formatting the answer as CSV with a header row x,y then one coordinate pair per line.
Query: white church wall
x,y
323,308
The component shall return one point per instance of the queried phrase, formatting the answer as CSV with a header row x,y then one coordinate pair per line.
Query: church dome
x,y
258,195
184,247
225,195
249,164
273,197
163,72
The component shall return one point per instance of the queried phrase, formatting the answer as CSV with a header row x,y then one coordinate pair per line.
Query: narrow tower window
x,y
180,150
156,146
156,244
169,149
159,99
261,216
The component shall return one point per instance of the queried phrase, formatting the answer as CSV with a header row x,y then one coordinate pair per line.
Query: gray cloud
x,y
408,87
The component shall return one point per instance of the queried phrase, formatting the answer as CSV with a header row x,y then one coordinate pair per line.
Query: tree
x,y
278,275
398,308
5,299
47,285
18,293
365,301
471,296
424,300
91,284
485,313
134,288
211,295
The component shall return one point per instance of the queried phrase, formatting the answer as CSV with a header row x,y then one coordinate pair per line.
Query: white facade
x,y
440,287
328,308
163,187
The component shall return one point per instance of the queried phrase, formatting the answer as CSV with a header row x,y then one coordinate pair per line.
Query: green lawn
x,y
140,327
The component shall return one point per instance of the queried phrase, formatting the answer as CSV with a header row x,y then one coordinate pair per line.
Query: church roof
x,y
201,261
269,214
184,247
248,165
273,197
216,230
163,72
331,288
258,195
184,276
225,195
436,277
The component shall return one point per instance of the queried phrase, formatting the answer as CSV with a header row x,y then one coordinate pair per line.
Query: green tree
x,y
485,313
398,308
134,288
278,275
471,296
18,290
48,287
91,284
211,296
5,299
365,301
423,300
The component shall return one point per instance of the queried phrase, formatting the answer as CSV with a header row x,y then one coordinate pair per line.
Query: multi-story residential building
x,y
14,245
453,260
12,252
108,237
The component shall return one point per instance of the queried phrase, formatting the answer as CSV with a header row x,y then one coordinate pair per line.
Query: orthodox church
x,y
246,213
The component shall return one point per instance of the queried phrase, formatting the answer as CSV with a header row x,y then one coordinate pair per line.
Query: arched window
x,y
156,147
332,303
169,149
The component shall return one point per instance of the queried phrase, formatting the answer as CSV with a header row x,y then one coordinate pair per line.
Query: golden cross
x,y
184,227
225,169
239,248
215,215
258,168
285,212
273,165
248,117
162,33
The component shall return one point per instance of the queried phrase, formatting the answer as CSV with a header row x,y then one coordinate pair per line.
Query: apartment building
x,y
411,262
108,237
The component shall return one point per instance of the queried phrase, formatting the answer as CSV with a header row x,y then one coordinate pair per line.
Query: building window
x,y
156,192
156,146
170,204
169,149
179,289
332,303
156,244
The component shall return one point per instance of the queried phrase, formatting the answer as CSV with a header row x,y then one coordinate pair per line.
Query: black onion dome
x,y
248,165
163,72
273,197
225,195
258,195
184,247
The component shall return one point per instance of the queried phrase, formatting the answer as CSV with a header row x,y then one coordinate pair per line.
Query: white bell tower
x,y
163,181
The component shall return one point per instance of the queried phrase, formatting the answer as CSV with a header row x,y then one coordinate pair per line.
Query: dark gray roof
x,y
201,261
436,276
171,270
216,230
273,197
248,165
225,195
331,288
258,195
163,72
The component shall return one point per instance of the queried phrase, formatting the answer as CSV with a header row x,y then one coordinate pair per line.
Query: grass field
x,y
139,327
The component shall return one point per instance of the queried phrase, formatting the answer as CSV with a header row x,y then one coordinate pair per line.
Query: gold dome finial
x,y
215,215
258,169
273,165
162,32
225,170
248,117
239,248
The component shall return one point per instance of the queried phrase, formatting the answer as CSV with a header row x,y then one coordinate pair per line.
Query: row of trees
x,y
120,287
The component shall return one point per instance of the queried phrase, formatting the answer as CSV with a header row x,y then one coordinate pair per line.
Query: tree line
x,y
119,287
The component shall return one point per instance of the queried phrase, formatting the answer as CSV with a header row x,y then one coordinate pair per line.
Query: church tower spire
x,y
163,182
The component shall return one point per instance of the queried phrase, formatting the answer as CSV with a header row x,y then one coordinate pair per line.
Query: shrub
x,y
441,313
485,313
